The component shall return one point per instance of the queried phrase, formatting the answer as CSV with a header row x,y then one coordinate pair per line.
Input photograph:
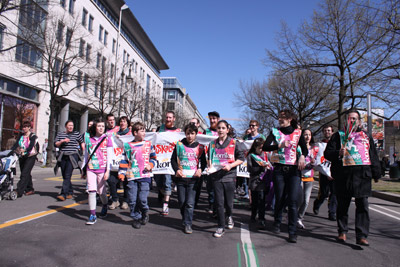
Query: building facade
x,y
176,99
78,56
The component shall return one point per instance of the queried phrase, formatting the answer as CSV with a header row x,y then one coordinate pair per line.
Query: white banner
x,y
323,166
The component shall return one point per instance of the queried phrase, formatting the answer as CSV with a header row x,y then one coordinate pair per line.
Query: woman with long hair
x,y
224,155
284,142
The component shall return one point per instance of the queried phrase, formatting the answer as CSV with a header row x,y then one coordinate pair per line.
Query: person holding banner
x,y
257,164
122,129
213,117
307,176
97,163
287,166
111,126
354,163
224,155
326,183
164,181
140,159
188,161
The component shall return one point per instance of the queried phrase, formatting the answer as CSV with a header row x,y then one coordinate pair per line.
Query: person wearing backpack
x,y
27,147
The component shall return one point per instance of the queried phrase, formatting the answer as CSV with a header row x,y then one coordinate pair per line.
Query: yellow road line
x,y
39,214
59,178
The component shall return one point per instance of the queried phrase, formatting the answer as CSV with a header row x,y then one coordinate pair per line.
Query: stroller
x,y
7,171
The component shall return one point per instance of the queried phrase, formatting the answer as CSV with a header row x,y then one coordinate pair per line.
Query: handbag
x,y
84,169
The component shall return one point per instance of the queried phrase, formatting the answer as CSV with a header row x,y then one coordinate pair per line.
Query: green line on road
x,y
247,254
239,255
255,255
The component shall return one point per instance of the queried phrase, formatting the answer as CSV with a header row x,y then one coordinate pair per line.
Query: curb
x,y
387,196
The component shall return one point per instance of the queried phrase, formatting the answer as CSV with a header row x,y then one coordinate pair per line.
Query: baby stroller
x,y
7,170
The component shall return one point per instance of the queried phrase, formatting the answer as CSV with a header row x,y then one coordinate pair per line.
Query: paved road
x,y
37,230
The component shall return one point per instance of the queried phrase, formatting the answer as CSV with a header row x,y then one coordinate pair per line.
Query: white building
x,y
176,99
81,43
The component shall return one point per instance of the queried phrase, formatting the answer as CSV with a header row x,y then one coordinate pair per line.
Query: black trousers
x,y
362,215
326,189
112,184
224,194
25,181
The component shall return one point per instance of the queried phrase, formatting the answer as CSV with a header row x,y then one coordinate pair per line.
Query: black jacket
x,y
352,180
32,142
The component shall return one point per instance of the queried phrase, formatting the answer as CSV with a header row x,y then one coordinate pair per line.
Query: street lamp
x,y
125,6
128,80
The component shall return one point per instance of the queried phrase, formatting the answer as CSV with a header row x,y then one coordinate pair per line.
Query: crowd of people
x,y
280,166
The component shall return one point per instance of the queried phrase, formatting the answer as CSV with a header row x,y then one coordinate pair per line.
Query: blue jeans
x,y
287,187
186,198
163,182
137,198
66,170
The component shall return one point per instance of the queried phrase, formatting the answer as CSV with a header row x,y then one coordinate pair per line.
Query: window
x,y
62,3
27,54
113,46
105,37
124,56
101,29
96,88
171,95
68,37
85,82
127,57
98,60
1,35
171,106
112,70
60,31
79,80
65,73
82,48
136,67
103,64
90,25
71,6
57,67
84,17
88,51
32,16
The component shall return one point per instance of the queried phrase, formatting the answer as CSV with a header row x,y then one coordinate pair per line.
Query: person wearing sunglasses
x,y
254,134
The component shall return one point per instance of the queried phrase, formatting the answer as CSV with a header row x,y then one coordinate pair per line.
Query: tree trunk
x,y
51,135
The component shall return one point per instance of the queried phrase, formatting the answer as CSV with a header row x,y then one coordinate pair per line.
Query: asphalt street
x,y
38,230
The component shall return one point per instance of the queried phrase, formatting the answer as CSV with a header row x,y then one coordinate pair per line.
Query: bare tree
x,y
305,92
154,113
349,44
57,42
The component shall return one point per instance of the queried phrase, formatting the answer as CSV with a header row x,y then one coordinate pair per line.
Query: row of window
x,y
18,89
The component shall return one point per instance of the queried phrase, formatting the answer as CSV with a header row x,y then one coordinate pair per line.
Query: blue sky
x,y
211,45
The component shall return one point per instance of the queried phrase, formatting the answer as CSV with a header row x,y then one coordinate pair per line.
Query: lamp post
x,y
128,79
125,6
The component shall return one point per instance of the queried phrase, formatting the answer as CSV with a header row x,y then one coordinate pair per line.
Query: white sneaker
x,y
230,222
219,233
300,224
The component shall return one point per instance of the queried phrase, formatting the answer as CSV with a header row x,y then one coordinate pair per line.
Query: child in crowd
x,y
140,159
257,165
224,156
188,161
97,167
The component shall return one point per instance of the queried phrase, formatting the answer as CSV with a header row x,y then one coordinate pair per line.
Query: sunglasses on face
x,y
252,125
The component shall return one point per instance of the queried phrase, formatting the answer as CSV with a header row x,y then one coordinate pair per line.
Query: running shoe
x,y
300,224
136,224
124,206
165,210
230,222
114,205
219,233
145,218
188,229
92,219
103,212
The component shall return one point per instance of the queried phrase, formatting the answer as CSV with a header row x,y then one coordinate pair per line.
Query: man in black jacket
x,y
354,163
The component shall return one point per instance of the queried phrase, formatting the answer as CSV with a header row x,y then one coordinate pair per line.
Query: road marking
x,y
248,247
40,214
59,178
384,213
387,209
